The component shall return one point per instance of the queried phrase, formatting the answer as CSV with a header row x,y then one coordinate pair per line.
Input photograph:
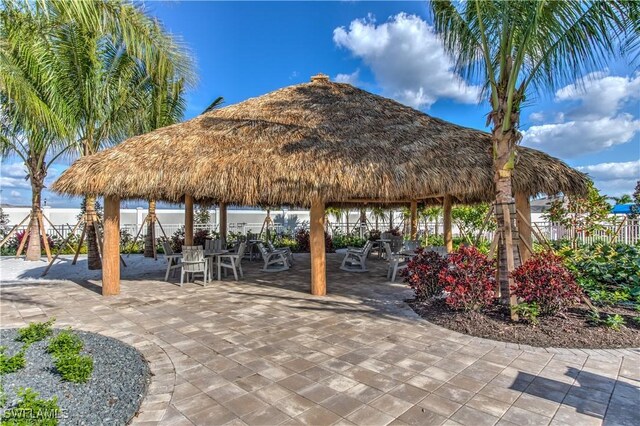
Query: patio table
x,y
215,254
380,242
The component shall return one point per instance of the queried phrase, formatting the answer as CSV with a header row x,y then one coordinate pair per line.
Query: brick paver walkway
x,y
263,352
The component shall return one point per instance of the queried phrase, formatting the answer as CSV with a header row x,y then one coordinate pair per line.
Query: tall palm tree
x,y
111,55
623,199
33,123
515,48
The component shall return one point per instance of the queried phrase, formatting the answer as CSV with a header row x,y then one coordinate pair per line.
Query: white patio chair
x,y
286,250
274,261
173,259
356,259
194,262
441,250
232,261
397,262
211,245
411,245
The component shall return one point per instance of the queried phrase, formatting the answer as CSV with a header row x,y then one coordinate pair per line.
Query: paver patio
x,y
264,351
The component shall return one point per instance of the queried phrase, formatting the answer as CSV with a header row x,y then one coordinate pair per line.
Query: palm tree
x,y
623,199
112,57
378,215
33,125
433,214
514,48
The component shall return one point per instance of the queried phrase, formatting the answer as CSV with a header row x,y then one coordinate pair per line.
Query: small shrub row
x,y
32,410
65,349
543,284
35,332
11,364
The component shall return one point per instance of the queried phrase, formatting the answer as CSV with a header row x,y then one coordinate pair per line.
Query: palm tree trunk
x,y
93,252
36,176
346,215
508,254
149,239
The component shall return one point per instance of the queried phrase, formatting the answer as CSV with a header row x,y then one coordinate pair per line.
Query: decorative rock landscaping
x,y
111,396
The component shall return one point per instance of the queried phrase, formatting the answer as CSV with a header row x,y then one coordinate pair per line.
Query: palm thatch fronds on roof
x,y
320,139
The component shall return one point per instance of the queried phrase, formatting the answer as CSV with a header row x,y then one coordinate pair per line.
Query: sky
x,y
246,49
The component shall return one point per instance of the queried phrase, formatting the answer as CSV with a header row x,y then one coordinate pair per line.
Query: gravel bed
x,y
110,397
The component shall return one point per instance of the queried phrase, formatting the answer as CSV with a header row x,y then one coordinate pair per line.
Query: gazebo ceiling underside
x,y
321,140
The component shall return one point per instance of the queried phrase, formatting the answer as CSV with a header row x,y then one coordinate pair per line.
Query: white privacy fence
x,y
627,232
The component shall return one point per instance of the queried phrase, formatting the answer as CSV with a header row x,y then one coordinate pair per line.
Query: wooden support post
x,y
414,220
24,238
223,225
13,230
66,241
318,261
448,234
80,241
188,220
45,238
524,225
111,247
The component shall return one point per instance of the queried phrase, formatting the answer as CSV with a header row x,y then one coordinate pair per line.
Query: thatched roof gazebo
x,y
312,145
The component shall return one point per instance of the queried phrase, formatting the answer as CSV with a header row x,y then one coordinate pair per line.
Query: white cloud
x,y
599,94
575,138
613,171
13,175
614,179
592,117
16,194
537,117
407,59
352,78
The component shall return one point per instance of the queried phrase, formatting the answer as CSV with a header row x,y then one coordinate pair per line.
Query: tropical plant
x,y
622,199
33,121
433,214
107,61
580,214
471,220
423,274
515,48
609,274
469,279
543,280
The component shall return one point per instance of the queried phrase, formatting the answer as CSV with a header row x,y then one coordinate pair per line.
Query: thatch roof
x,y
319,139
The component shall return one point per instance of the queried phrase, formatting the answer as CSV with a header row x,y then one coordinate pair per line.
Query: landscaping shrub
x,y
609,274
32,410
11,364
612,321
528,312
64,342
65,349
375,234
340,241
303,240
422,274
469,279
545,281
177,239
74,368
35,332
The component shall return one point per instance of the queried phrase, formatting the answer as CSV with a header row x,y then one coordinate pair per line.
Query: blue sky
x,y
245,49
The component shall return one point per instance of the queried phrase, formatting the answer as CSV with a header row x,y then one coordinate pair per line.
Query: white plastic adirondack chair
x,y
274,261
356,259
396,262
286,250
173,259
232,261
194,262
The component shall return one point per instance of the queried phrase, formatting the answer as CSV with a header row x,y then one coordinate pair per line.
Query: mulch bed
x,y
571,331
